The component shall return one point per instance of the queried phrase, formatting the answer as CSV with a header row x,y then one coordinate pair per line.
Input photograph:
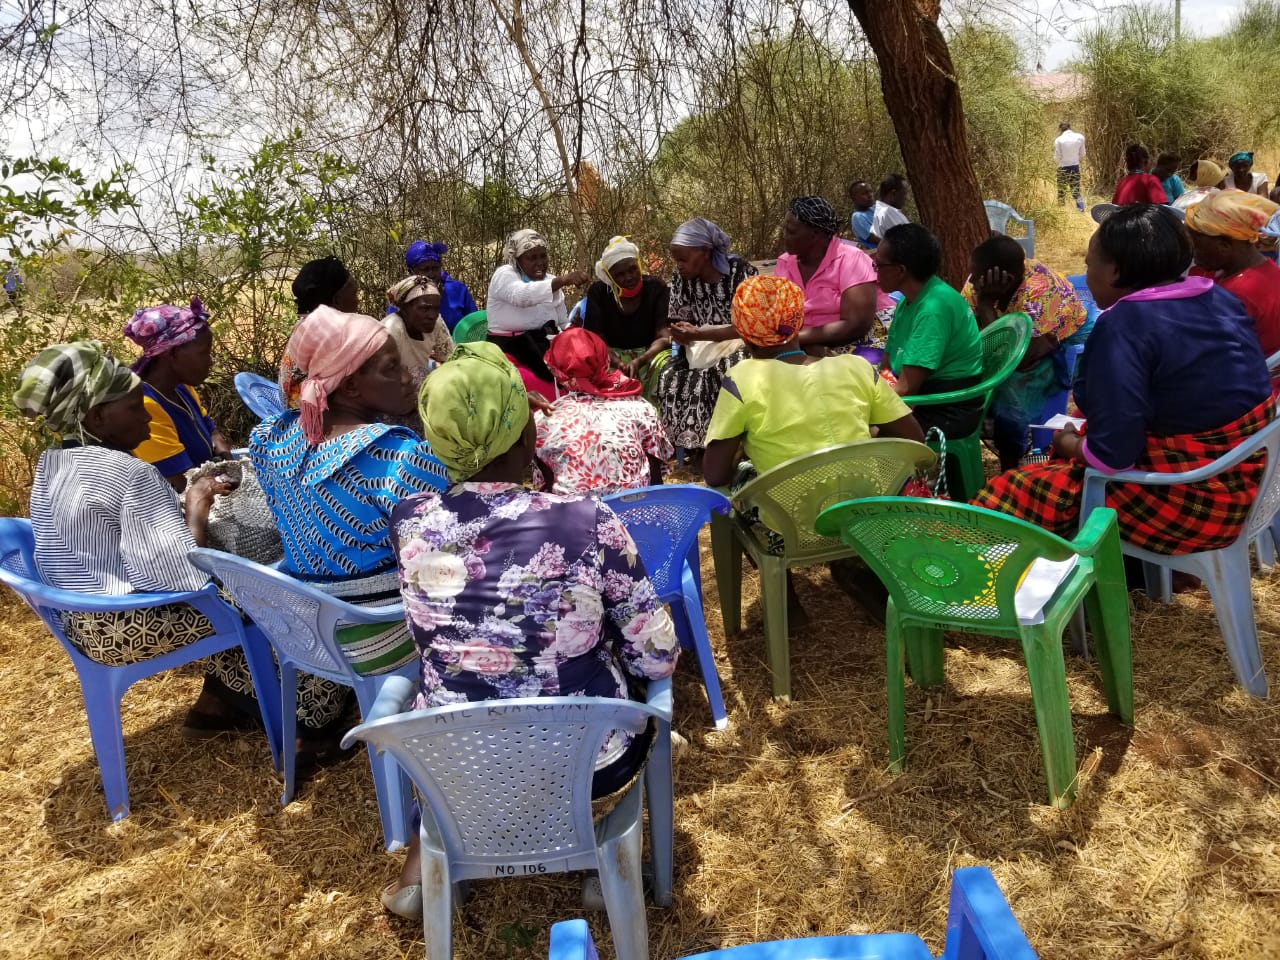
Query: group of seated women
x,y
408,466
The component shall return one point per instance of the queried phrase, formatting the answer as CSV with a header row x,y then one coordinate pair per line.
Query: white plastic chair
x,y
1224,571
506,786
998,217
300,622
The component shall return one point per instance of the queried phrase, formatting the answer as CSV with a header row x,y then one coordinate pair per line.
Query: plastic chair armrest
x,y
951,396
978,910
1094,531
1273,362
391,699
571,940
96,602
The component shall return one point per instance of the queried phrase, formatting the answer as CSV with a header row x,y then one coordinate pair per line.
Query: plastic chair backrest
x,y
1004,344
664,522
472,328
299,620
1273,362
260,395
1267,503
791,495
998,214
944,561
18,570
508,782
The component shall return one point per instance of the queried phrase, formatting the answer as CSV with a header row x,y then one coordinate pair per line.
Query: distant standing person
x,y
13,285
424,259
1243,176
888,209
864,213
1138,185
1166,171
1068,151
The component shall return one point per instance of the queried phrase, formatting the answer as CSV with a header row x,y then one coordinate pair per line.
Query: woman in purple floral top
x,y
509,592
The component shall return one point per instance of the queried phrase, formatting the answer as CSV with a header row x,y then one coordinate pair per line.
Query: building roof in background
x,y
1056,87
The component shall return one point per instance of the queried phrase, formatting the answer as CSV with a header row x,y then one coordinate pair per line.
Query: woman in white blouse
x,y
526,306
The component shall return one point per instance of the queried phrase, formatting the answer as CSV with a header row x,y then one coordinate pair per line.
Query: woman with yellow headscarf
x,y
627,308
1224,235
510,592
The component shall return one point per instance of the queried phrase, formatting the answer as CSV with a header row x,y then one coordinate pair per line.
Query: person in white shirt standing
x,y
888,209
1068,151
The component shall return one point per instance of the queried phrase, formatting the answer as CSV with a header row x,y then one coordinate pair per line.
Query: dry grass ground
x,y
788,823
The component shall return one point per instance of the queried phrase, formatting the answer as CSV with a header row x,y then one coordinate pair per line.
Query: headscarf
x,y
405,291
817,213
767,311
318,282
1246,155
472,328
1231,213
615,251
424,251
1208,174
579,360
474,408
701,233
67,380
520,243
330,346
161,328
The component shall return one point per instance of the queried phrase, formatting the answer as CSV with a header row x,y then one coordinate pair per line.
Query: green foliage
x,y
43,200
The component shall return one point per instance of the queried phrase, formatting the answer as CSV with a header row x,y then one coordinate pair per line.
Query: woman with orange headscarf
x,y
782,403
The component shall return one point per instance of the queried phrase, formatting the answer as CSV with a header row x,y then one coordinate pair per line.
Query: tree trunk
x,y
923,101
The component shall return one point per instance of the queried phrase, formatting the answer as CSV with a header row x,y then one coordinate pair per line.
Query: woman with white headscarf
x,y
627,308
526,305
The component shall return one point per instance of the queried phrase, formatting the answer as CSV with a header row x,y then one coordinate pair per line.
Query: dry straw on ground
x,y
787,823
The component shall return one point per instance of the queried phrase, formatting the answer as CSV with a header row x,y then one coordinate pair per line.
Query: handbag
x,y
240,521
703,354
921,485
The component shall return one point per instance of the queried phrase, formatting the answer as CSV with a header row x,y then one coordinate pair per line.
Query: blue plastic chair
x,y
260,395
980,926
506,786
1224,571
1040,439
998,217
664,521
300,622
103,687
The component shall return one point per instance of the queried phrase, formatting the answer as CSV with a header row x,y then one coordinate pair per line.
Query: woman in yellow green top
x,y
782,403
933,344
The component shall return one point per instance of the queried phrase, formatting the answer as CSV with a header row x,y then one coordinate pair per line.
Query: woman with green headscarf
x,y
510,592
105,522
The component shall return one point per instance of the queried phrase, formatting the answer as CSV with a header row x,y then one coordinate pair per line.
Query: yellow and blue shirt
x,y
181,433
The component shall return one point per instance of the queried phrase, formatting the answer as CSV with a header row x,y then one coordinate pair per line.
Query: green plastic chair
x,y
1004,344
472,328
952,566
788,498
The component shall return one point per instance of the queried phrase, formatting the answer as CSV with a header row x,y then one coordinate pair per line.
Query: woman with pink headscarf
x,y
332,472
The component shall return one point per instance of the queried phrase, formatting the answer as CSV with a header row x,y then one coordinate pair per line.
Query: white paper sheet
x,y
1042,579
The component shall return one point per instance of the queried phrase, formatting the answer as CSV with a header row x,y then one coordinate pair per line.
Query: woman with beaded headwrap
x,y
526,306
702,289
106,522
627,308
844,310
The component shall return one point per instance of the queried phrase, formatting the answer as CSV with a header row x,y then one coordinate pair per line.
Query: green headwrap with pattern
x,y
474,408
65,381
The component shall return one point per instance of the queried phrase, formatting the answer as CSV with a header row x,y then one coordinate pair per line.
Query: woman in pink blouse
x,y
844,310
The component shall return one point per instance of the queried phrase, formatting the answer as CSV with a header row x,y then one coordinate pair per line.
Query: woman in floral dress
x,y
509,592
701,293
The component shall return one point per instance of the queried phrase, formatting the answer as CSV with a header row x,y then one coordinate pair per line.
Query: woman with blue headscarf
x,y
424,259
702,290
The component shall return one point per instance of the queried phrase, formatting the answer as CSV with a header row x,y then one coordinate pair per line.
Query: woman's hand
x,y
1067,443
684,333
539,403
197,502
993,285
574,278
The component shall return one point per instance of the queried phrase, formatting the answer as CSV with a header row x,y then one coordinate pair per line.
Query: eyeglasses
x,y
881,264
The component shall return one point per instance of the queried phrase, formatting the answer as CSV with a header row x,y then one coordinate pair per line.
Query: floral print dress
x,y
510,592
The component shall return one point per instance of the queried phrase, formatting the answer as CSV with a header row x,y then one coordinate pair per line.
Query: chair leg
x,y
389,780
1048,674
924,655
622,884
697,628
660,796
967,452
1159,582
437,904
896,684
773,601
1109,613
727,553
1231,588
102,710
288,728
266,687
1079,638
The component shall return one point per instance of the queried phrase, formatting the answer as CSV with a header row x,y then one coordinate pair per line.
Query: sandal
x,y
405,902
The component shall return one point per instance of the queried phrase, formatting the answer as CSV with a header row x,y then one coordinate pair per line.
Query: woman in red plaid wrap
x,y
1171,379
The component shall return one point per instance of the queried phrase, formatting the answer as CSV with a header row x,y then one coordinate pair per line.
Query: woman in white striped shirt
x,y
106,522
